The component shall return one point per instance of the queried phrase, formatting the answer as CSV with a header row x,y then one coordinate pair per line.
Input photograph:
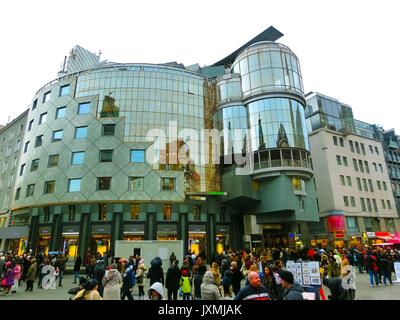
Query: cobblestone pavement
x,y
364,291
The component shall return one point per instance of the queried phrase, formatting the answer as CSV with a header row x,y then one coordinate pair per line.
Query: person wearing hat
x,y
172,280
139,277
293,290
89,291
184,284
112,282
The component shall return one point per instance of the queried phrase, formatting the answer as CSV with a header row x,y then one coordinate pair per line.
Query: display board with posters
x,y
305,272
397,271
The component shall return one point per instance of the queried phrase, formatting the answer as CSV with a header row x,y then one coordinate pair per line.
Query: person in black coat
x,y
335,286
172,280
199,272
156,273
237,277
98,274
77,267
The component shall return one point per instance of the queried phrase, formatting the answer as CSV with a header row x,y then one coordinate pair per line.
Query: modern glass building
x,y
116,151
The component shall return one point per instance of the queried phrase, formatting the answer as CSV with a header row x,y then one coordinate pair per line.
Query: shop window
x,y
104,183
49,187
102,212
135,210
168,184
167,212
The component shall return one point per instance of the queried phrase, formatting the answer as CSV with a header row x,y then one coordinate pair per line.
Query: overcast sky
x,y
348,50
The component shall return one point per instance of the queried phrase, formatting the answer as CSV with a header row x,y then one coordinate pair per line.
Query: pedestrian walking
x,y
128,282
209,288
156,273
111,282
172,280
8,280
31,274
77,267
185,285
140,279
17,277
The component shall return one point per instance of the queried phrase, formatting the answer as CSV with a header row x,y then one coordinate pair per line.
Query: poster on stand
x,y
397,271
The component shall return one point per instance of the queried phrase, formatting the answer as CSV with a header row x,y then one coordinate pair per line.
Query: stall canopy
x,y
395,238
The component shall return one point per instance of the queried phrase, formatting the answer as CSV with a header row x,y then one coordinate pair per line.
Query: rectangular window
x,y
335,140
375,205
380,167
352,224
342,181
46,96
346,201
17,193
389,205
46,218
222,216
352,201
84,108
383,204
369,205
106,155
64,90
34,105
102,212
196,213
17,145
365,185
339,160
108,130
351,146
30,125
80,132
384,185
137,155
74,185
71,212
360,164
168,184
355,164
49,187
357,147
78,157
371,187
167,211
34,165
26,147
371,149
366,166
345,161
341,142
57,136
376,151
53,161
42,118
30,189
362,148
135,210
22,170
104,183
60,113
348,181
375,167
363,204
136,183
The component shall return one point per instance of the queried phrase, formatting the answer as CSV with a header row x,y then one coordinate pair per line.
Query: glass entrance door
x,y
197,243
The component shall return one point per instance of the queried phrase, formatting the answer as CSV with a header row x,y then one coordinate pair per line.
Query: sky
x,y
348,50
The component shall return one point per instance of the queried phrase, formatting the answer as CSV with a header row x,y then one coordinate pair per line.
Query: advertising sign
x,y
397,271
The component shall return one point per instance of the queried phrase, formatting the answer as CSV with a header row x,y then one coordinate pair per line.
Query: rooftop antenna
x,y
100,53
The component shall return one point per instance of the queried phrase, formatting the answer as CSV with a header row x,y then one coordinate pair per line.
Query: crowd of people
x,y
264,274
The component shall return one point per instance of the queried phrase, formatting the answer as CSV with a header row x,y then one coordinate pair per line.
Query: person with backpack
x,y
128,282
185,285
370,263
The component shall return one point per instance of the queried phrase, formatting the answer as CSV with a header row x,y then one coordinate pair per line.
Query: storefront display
x,y
197,238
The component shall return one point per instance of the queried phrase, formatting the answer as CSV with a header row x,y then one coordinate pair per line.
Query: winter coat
x,y
226,281
197,280
294,292
252,293
157,286
336,288
140,272
237,277
333,269
156,273
209,289
270,284
31,275
88,295
9,276
127,281
2,266
184,282
112,281
371,263
17,272
78,263
172,278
